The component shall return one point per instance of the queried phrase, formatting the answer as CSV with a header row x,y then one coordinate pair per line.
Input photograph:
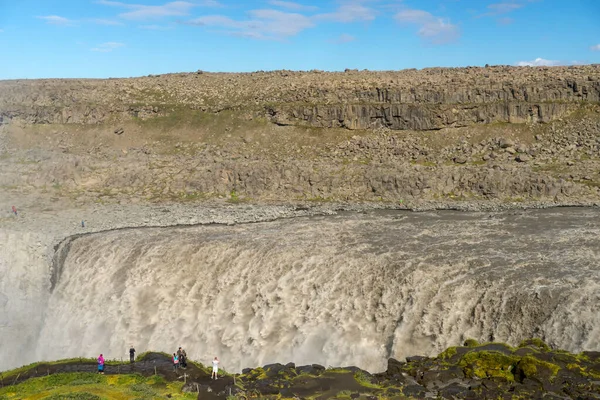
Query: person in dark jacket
x,y
182,358
131,354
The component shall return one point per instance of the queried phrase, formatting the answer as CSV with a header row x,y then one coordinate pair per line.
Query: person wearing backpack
x,y
175,362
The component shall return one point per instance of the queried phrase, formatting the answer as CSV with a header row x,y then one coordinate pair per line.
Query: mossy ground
x,y
525,370
94,386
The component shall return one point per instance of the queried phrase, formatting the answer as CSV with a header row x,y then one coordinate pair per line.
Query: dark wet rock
x,y
310,369
455,390
592,355
416,391
266,387
535,343
318,367
273,370
394,367
415,359
442,378
523,351
486,371
498,347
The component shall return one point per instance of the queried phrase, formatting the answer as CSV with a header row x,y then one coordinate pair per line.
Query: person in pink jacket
x,y
101,364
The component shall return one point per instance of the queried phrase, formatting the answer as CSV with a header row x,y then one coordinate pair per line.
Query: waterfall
x,y
350,289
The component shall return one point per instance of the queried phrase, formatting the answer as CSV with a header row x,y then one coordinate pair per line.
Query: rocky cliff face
x,y
417,100
437,135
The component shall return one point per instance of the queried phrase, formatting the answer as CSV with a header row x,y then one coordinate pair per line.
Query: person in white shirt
x,y
215,368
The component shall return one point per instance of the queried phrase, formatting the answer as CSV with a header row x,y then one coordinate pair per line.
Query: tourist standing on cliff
x,y
14,210
101,364
182,357
131,354
175,362
215,368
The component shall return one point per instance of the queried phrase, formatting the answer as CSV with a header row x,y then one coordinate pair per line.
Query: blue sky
x,y
105,38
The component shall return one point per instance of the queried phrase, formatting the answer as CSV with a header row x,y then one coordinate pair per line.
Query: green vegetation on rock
x,y
486,371
488,364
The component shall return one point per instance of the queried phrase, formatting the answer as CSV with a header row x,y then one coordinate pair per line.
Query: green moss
x,y
448,353
533,367
364,380
21,370
143,356
73,396
478,162
85,385
424,163
488,364
471,343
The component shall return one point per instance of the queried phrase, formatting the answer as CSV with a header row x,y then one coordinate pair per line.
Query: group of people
x,y
179,360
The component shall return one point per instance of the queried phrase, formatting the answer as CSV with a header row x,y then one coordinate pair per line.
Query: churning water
x,y
351,289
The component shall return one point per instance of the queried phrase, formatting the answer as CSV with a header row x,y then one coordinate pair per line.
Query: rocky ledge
x,y
427,99
474,371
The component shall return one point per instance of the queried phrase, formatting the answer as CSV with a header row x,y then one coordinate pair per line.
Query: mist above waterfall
x,y
351,289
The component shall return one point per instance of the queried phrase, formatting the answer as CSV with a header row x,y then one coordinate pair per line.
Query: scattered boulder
x,y
394,367
506,143
460,159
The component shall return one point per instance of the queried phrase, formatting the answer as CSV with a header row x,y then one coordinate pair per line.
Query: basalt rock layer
x,y
419,100
506,134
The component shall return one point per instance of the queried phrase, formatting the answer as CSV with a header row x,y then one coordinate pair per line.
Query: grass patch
x,y
531,367
448,353
364,380
488,364
91,386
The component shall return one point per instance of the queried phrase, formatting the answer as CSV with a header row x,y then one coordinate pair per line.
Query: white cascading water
x,y
351,289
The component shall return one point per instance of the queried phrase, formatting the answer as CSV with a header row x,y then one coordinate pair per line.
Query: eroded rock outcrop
x,y
419,100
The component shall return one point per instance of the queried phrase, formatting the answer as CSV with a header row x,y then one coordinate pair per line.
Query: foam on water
x,y
352,289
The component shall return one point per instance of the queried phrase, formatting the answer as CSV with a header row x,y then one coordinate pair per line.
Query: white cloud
x,y
262,24
108,47
171,9
108,22
290,5
539,62
271,24
155,27
349,12
503,8
595,48
345,38
56,20
435,30
505,21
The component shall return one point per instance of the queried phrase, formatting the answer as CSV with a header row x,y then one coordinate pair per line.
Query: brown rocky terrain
x,y
435,136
